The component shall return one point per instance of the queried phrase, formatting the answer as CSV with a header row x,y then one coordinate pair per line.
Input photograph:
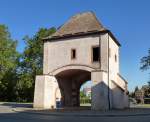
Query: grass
x,y
144,105
86,104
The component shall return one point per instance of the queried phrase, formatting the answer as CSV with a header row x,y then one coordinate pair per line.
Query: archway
x,y
86,94
69,82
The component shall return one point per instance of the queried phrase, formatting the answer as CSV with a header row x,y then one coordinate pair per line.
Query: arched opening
x,y
70,82
85,94
58,97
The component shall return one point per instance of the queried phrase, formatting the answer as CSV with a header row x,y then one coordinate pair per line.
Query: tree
x,y
131,94
82,95
145,62
145,65
136,89
31,64
8,65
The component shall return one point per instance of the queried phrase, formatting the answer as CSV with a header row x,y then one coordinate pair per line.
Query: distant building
x,y
87,92
144,87
139,96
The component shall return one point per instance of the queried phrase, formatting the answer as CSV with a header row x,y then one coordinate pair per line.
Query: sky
x,y
129,21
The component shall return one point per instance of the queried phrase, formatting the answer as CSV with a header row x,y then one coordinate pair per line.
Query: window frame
x,y
116,58
72,54
95,46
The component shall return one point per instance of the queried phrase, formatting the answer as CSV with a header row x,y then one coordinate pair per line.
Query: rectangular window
x,y
95,54
73,54
115,58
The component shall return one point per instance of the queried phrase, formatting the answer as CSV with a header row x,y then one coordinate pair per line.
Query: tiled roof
x,y
79,24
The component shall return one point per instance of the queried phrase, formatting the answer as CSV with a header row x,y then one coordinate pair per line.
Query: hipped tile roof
x,y
80,24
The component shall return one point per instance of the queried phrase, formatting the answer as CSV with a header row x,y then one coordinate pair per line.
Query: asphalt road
x,y
7,115
25,117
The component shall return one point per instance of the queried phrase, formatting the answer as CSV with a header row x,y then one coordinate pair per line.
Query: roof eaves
x,y
114,38
72,35
50,38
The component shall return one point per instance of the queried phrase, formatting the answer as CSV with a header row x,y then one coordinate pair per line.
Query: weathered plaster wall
x,y
45,91
113,64
119,98
99,91
104,52
58,53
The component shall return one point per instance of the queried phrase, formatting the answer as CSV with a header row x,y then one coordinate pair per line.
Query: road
x,y
7,115
25,117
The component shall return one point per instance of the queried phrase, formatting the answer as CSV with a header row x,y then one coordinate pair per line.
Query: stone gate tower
x,y
81,50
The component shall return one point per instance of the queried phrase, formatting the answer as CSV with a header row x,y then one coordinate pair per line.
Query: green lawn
x,y
144,105
86,104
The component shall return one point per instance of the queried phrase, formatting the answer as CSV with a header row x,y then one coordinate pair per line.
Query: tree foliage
x,y
18,71
136,89
8,65
145,65
31,63
145,62
82,95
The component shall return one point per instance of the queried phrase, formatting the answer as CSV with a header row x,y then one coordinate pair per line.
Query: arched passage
x,y
71,67
85,94
70,81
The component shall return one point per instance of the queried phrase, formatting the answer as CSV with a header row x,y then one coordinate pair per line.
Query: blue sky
x,y
129,20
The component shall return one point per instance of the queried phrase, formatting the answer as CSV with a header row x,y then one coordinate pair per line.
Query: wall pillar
x,y
119,97
66,88
45,92
99,91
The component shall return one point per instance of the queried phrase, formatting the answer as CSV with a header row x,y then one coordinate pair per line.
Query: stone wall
x,y
108,89
58,53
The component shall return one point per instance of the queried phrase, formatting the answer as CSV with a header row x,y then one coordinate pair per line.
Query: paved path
x,y
24,113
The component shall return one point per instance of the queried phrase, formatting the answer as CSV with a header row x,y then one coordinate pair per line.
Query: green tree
x,y
145,65
146,89
136,89
82,95
145,62
8,65
131,94
31,64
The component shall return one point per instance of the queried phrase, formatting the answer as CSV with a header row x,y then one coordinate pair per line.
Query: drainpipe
x,y
108,77
100,51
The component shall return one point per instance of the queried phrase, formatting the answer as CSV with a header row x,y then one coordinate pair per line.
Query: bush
x,y
85,100
147,100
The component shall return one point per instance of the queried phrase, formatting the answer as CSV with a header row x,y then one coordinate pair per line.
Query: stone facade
x,y
60,71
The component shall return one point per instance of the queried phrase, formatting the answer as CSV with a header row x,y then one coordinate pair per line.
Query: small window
x,y
73,54
95,54
115,58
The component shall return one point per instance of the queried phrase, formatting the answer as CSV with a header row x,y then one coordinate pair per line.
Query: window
x,y
95,54
73,54
115,58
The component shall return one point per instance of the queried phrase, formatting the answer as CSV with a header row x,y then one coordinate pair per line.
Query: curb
x,y
79,115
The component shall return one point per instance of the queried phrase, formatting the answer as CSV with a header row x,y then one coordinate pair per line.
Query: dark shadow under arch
x,y
70,82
